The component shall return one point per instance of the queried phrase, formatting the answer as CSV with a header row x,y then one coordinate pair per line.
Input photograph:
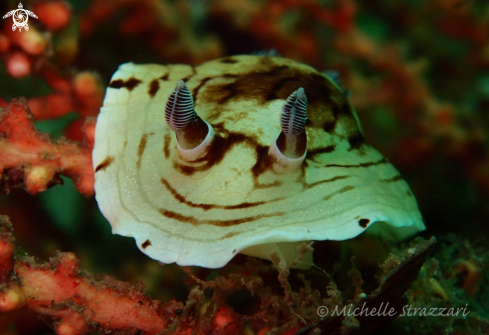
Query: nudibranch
x,y
243,154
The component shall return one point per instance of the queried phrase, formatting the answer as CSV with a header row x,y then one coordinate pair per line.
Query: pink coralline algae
x,y
75,301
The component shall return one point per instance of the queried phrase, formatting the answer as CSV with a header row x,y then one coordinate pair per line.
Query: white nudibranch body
x,y
250,154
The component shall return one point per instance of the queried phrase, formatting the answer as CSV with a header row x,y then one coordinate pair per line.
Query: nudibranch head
x,y
201,163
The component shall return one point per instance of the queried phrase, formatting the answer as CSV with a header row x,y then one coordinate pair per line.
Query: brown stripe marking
x,y
343,190
319,151
197,88
129,84
276,183
391,180
154,86
166,145
146,244
379,162
142,146
229,235
308,186
180,198
164,77
105,164
219,223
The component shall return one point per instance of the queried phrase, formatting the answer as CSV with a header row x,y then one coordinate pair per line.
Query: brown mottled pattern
x,y
233,195
142,146
130,84
270,81
105,164
275,81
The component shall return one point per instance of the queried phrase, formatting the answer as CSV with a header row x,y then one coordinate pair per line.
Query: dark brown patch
x,y
105,164
164,77
130,84
263,161
186,78
329,126
142,146
166,145
361,165
154,86
229,60
356,141
409,193
222,143
343,190
219,223
180,198
146,244
197,88
363,222
391,180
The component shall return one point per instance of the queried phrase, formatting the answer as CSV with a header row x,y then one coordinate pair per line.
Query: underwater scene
x,y
255,167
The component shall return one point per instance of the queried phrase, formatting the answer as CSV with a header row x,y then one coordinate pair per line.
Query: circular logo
x,y
20,17
323,311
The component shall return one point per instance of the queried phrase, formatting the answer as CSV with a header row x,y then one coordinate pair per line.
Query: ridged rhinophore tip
x,y
180,84
301,93
179,110
294,113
